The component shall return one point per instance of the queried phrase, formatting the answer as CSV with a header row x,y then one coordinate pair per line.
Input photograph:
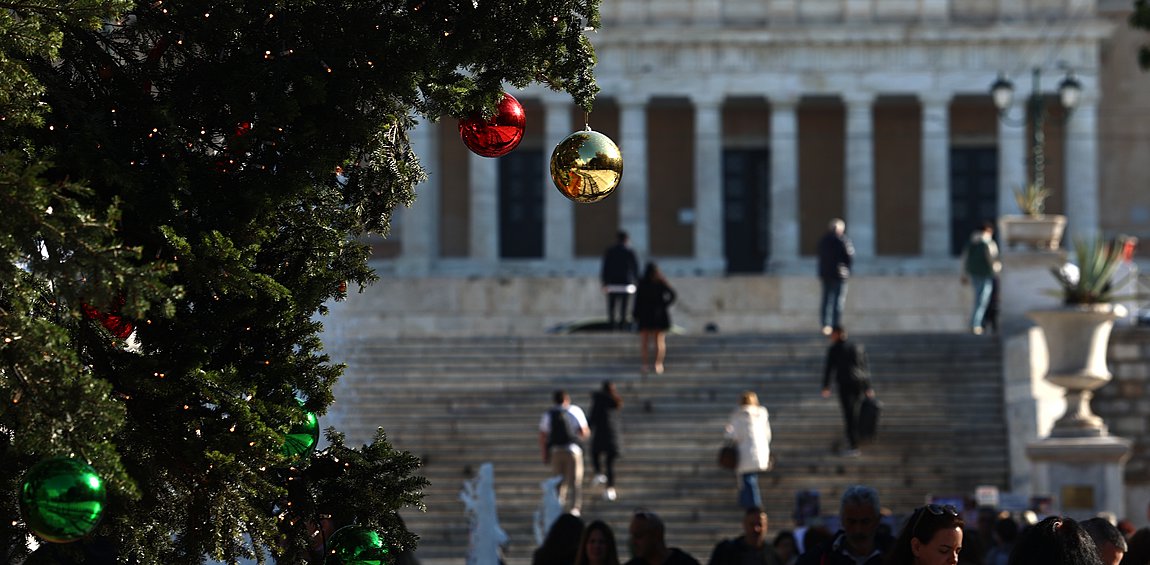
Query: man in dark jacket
x,y
751,548
847,364
649,544
618,275
836,255
858,542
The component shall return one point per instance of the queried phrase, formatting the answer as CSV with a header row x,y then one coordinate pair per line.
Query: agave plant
x,y
1089,283
1031,199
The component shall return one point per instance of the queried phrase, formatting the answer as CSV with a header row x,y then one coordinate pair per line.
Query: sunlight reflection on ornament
x,y
62,499
497,135
356,545
586,166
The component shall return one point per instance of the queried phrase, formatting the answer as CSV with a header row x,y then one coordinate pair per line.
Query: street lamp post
x,y
1069,93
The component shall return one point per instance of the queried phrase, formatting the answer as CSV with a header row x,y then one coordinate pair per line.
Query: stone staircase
x,y
458,402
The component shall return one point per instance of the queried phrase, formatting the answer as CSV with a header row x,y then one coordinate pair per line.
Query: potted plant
x,y
1078,333
1033,229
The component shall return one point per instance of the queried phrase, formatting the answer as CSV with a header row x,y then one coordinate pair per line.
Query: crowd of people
x,y
929,535
932,534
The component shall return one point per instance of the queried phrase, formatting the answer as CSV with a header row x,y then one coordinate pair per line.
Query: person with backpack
x,y
562,430
980,266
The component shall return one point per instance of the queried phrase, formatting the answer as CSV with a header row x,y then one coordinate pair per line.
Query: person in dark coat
x,y
1056,540
751,548
605,427
847,365
836,257
618,274
649,543
562,542
859,541
652,301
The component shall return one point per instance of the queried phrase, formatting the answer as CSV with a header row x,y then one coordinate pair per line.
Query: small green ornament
x,y
355,545
62,499
302,437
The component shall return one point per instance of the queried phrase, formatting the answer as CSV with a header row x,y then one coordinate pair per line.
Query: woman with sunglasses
x,y
932,536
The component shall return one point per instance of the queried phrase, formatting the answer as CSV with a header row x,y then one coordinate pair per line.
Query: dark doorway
x,y
973,192
746,209
521,204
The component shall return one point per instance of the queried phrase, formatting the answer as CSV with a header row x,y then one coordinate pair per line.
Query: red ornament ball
x,y
118,325
497,135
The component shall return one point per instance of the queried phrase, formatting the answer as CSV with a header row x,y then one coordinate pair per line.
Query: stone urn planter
x,y
1031,232
1077,337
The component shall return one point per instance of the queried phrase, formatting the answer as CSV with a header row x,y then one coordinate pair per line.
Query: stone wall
x,y
1124,404
530,305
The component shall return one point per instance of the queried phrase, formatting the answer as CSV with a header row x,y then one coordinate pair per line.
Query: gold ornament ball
x,y
586,166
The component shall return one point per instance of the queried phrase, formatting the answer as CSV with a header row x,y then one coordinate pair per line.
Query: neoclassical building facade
x,y
745,125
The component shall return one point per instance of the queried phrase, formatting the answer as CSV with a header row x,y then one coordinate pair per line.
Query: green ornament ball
x,y
355,545
302,437
62,499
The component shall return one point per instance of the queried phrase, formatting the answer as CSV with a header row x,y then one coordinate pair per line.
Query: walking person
x,y
561,432
618,274
847,365
652,301
605,427
836,257
750,427
980,265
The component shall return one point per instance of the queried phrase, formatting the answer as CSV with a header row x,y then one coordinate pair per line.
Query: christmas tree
x,y
173,225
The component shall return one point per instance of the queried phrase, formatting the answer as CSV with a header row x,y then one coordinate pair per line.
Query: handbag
x,y
728,456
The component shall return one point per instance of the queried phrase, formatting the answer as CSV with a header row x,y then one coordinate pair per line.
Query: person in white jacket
x,y
750,428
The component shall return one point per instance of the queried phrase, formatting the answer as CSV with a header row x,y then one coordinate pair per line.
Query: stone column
x,y
860,215
857,10
1011,9
558,214
1031,403
1082,7
633,188
784,181
1012,154
782,10
936,176
706,12
1081,162
419,225
935,10
709,184
483,184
